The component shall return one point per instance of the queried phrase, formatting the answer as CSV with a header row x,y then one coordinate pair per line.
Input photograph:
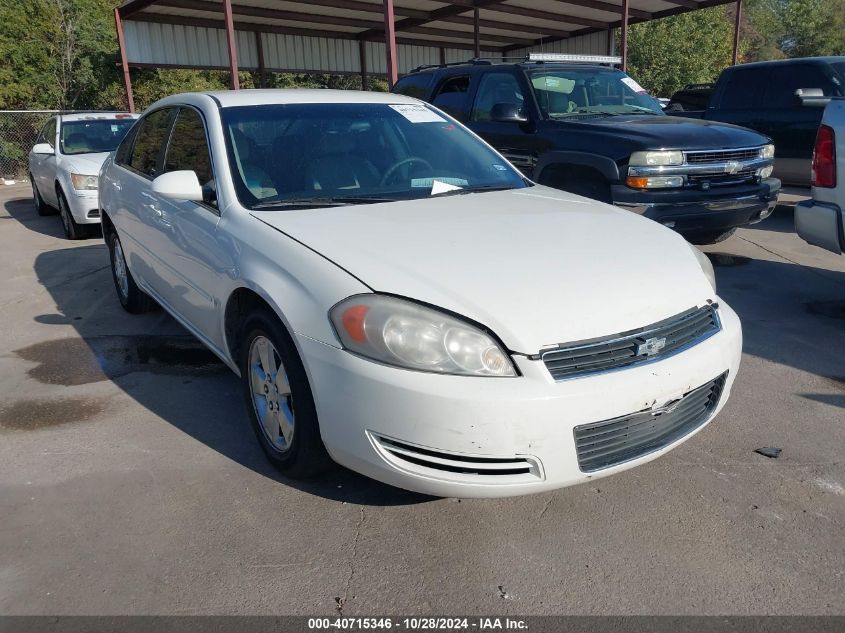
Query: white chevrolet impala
x,y
397,298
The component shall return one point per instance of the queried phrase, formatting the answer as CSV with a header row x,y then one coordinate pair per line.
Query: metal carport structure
x,y
365,37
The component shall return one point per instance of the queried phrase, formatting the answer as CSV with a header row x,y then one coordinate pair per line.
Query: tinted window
x,y
48,133
786,79
496,88
123,153
588,92
93,136
188,149
368,152
743,88
148,141
451,97
414,85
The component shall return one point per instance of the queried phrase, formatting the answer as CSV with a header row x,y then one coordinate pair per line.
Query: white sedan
x,y
397,298
65,161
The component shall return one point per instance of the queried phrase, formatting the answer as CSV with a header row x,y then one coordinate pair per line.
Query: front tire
x,y
73,231
709,237
41,207
279,400
132,298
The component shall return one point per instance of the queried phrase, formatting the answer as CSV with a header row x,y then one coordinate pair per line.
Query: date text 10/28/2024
x,y
417,624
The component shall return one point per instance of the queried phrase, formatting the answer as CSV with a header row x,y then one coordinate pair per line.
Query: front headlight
x,y
405,334
768,151
656,158
706,266
82,182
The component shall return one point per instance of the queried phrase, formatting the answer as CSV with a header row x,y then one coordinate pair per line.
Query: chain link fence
x,y
18,131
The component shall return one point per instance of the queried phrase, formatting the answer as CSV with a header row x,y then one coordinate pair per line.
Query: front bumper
x,y
366,408
84,206
690,211
821,224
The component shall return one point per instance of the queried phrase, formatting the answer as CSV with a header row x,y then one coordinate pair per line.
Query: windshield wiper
x,y
465,190
318,203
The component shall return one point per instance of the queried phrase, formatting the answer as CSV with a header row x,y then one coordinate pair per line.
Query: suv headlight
x,y
768,151
656,158
84,182
706,266
404,334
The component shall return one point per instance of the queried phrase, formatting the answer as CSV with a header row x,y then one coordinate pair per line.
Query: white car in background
x,y
65,162
397,297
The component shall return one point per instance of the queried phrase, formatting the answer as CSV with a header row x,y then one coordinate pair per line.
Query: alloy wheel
x,y
271,393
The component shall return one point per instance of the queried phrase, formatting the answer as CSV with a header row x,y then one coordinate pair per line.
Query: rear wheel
x,y
132,298
278,398
709,237
40,206
73,231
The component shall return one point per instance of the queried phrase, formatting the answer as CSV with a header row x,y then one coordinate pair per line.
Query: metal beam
x,y
528,12
362,56
121,44
606,6
624,35
475,33
390,43
259,48
737,27
232,42
438,14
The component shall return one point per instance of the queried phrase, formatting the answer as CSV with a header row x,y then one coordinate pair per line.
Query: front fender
x,y
605,166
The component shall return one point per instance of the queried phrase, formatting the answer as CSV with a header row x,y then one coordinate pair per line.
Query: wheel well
x,y
108,226
241,302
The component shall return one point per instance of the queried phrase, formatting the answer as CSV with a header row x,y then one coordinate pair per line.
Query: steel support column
x,y
624,35
476,33
390,43
737,25
234,82
262,73
124,65
362,54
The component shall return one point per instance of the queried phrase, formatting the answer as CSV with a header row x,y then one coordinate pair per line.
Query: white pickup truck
x,y
821,220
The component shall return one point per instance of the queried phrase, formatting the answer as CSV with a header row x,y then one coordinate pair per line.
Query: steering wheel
x,y
405,161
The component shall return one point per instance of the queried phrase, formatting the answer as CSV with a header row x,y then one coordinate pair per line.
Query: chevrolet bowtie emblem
x,y
651,346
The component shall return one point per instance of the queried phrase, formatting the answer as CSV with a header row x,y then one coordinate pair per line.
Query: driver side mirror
x,y
179,185
507,113
812,97
43,148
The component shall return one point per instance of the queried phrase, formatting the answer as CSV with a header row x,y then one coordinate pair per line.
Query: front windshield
x,y
295,154
589,92
93,136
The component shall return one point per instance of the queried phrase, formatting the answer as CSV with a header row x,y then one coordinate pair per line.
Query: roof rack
x,y
531,57
698,86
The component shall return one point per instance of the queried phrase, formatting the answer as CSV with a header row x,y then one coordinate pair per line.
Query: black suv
x,y
592,130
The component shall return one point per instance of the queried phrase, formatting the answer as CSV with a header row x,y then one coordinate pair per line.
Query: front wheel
x,y
73,231
278,398
709,237
132,298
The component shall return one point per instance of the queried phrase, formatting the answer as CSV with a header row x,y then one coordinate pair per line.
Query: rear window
x,y
451,97
414,85
743,88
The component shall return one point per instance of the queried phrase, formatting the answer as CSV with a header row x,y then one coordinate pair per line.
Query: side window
x,y
785,80
496,88
149,138
188,149
124,150
414,85
48,133
743,89
451,97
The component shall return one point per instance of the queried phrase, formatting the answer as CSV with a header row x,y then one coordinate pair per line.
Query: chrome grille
x,y
630,348
604,444
720,156
722,178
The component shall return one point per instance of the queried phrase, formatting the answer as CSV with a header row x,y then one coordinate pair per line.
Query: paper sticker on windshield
x,y
418,113
633,85
429,182
114,128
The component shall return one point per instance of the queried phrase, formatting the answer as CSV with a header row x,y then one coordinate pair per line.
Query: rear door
x,y
512,139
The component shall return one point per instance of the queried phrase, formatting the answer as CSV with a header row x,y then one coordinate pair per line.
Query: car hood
x,y
537,266
658,132
88,164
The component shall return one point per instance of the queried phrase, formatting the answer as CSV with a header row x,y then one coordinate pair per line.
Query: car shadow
x,y
136,352
782,220
23,210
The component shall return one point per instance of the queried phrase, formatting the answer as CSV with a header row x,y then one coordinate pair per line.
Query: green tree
x,y
666,54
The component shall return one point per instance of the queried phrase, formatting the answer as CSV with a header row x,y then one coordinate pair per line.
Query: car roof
x,y
230,98
94,116
794,60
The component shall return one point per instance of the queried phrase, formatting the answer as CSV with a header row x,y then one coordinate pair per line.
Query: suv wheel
x,y
132,298
709,237
278,398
